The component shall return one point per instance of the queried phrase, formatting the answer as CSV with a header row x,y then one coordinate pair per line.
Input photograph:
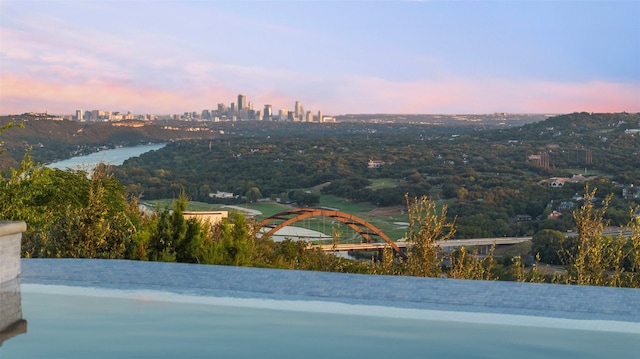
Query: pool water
x,y
68,322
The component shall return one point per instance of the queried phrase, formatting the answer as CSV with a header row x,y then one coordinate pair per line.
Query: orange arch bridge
x,y
359,225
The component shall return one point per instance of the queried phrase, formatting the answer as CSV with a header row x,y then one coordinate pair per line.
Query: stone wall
x,y
10,239
11,322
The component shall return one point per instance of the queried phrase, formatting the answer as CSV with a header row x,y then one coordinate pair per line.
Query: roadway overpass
x,y
483,244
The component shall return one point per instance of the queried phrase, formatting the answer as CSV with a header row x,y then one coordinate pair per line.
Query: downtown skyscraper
x,y
242,102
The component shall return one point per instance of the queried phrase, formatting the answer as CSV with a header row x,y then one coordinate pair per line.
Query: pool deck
x,y
529,299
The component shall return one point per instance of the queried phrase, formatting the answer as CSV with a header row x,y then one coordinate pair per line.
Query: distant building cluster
x,y
43,116
242,110
104,116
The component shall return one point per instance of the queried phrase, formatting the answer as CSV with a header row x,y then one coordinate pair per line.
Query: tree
x,y
426,227
101,226
469,265
67,213
549,244
634,228
598,258
4,128
175,238
232,242
253,194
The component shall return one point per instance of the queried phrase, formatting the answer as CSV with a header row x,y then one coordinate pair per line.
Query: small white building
x,y
375,164
212,217
220,194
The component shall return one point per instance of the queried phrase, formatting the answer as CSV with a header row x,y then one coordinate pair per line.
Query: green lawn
x,y
161,204
344,205
267,208
380,183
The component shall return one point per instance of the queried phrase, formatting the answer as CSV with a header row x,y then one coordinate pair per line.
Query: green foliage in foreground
x,y
70,214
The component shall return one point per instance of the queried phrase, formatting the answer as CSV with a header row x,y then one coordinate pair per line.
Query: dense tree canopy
x,y
489,186
487,177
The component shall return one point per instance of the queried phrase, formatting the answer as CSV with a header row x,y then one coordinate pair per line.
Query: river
x,y
115,157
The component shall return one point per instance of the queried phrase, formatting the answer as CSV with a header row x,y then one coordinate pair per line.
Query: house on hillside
x,y
631,192
375,164
566,206
554,215
556,182
223,195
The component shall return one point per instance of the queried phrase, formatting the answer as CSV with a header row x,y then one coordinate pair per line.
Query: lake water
x,y
114,157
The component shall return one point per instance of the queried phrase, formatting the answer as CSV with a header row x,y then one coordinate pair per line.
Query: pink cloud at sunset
x,y
61,99
373,95
489,95
426,57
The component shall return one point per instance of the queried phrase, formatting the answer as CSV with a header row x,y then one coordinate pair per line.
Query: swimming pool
x,y
128,309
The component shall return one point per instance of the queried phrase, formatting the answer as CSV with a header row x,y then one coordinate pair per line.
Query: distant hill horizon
x,y
53,140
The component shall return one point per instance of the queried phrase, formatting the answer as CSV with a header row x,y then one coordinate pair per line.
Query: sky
x,y
340,57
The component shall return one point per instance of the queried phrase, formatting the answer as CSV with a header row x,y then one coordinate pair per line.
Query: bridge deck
x,y
454,243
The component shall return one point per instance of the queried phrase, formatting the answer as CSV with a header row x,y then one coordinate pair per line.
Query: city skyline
x,y
168,57
242,110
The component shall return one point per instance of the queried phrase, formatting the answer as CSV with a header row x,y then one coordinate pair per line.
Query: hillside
x,y
55,140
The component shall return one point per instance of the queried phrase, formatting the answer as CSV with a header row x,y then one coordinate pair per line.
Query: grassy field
x,y
161,204
267,208
381,183
344,205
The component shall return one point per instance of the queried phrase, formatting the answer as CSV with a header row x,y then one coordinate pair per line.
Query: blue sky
x,y
336,56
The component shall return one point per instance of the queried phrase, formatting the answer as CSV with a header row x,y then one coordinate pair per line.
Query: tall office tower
x,y
79,115
282,114
250,105
309,117
267,113
205,115
242,102
232,109
298,110
320,118
222,109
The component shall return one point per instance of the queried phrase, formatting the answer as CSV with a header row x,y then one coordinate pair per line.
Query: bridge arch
x,y
359,225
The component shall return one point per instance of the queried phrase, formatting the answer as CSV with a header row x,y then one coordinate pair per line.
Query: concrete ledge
x,y
10,245
11,227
